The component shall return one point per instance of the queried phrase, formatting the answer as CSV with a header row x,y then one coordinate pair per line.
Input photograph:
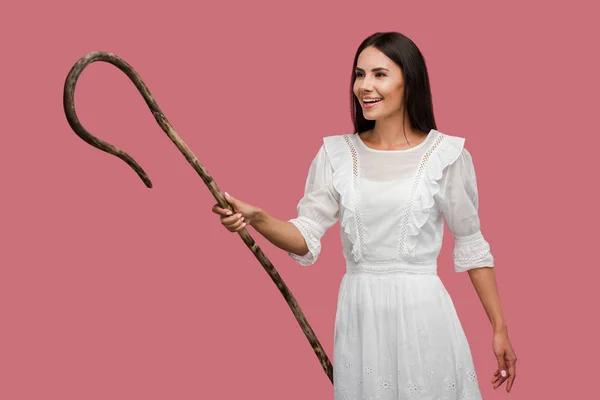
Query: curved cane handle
x,y
69,107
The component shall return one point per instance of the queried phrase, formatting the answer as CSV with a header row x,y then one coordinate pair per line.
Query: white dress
x,y
397,334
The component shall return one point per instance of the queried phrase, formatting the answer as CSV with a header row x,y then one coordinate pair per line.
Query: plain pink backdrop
x,y
110,290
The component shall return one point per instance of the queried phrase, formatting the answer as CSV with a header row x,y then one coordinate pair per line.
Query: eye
x,y
378,74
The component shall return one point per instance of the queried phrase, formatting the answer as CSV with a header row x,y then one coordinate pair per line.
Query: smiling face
x,y
378,77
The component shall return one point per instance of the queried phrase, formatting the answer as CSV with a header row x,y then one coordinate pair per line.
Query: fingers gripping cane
x,y
69,107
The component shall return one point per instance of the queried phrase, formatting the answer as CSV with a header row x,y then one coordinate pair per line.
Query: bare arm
x,y
484,282
300,237
282,234
472,253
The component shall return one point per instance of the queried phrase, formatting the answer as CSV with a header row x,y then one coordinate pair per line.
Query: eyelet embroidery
x,y
384,384
415,187
356,193
473,258
386,388
472,376
413,388
450,385
311,242
379,270
460,383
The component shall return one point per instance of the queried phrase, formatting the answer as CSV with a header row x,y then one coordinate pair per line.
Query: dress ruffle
x,y
472,251
446,152
341,161
314,245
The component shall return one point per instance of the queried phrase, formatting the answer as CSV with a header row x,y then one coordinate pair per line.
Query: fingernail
x,y
503,373
227,194
229,213
243,225
243,218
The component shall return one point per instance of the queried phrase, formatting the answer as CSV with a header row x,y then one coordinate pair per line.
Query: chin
x,y
372,117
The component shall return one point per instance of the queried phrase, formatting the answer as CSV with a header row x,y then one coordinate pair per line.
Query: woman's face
x,y
378,77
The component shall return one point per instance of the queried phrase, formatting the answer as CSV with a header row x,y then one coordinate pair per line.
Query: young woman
x,y
392,184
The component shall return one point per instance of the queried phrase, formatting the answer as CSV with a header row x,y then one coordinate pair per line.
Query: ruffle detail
x,y
471,251
343,181
444,152
314,245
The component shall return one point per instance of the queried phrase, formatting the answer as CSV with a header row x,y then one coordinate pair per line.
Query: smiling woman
x,y
385,90
392,183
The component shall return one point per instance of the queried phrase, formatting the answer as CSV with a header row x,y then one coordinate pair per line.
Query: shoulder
x,y
335,144
459,141
449,158
335,139
455,147
336,149
330,148
455,140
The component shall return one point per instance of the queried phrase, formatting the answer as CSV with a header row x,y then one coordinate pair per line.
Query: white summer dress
x,y
397,334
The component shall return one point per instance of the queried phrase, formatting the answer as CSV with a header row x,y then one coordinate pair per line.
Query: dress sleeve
x,y
460,204
318,209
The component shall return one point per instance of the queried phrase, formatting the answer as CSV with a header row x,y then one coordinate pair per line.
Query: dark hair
x,y
417,93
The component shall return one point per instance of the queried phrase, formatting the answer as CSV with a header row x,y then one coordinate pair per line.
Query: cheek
x,y
394,94
390,91
355,89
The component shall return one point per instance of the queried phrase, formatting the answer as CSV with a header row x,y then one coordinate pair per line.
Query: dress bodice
x,y
392,204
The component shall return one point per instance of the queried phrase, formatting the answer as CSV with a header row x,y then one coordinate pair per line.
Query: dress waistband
x,y
393,267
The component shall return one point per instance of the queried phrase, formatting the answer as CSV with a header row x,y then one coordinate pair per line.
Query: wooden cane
x,y
69,107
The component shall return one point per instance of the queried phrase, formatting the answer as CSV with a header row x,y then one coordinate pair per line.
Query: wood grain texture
x,y
69,107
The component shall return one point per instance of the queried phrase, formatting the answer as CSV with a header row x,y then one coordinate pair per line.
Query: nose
x,y
366,84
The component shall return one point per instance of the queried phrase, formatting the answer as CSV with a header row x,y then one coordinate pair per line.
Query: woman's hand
x,y
244,214
507,360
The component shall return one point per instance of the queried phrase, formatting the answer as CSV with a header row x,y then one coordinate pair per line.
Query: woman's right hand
x,y
244,214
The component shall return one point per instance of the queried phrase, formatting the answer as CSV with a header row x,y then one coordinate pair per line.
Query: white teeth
x,y
371,100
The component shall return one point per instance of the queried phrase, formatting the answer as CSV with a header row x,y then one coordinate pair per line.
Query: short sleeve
x,y
460,205
318,209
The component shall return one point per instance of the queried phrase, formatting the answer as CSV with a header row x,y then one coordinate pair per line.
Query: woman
x,y
392,184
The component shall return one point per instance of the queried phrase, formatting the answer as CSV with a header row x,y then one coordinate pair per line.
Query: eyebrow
x,y
373,70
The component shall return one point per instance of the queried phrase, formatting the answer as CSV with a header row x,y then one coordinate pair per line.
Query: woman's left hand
x,y
507,361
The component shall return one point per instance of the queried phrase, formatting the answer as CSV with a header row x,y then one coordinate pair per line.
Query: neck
x,y
390,131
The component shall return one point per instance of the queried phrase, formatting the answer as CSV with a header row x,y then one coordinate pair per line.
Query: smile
x,y
371,103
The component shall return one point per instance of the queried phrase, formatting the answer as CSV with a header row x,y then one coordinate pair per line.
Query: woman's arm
x,y
460,205
484,282
282,234
300,237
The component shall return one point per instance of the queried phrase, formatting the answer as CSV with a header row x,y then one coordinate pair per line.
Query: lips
x,y
371,104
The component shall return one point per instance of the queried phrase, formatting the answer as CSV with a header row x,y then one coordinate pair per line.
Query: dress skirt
x,y
398,337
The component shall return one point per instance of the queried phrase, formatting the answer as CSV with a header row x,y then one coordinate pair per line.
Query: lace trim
x,y
473,258
377,270
461,383
421,199
341,160
418,178
356,194
314,245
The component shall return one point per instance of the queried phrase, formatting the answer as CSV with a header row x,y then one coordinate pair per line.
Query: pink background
x,y
110,290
